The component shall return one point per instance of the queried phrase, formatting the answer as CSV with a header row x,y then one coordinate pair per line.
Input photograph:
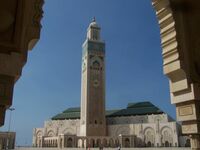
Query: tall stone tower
x,y
93,122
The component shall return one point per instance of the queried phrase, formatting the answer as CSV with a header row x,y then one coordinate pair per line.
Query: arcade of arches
x,y
81,142
179,22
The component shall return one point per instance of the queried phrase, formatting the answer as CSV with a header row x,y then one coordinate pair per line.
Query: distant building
x,y
7,140
139,125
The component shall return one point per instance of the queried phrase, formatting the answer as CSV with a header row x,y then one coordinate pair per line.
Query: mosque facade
x,y
140,124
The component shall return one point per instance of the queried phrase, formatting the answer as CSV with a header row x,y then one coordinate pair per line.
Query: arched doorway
x,y
167,144
149,137
149,144
167,136
92,143
98,143
105,143
69,142
117,143
127,142
111,143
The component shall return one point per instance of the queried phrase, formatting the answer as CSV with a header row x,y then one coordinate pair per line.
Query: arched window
x,y
96,65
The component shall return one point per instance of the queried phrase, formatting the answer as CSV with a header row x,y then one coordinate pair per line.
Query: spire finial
x,y
94,19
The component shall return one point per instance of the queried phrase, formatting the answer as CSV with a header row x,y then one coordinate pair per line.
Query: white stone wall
x,y
138,119
53,128
57,127
154,129
116,130
155,133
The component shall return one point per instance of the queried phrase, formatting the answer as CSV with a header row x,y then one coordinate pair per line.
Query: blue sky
x,y
51,79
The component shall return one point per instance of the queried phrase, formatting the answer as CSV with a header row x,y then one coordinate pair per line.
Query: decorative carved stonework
x,y
73,123
195,142
50,124
189,128
61,123
185,110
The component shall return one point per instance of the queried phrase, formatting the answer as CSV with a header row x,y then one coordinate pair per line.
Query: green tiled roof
x,y
140,104
140,108
73,109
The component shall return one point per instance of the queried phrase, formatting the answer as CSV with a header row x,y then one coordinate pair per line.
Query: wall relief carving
x,y
122,130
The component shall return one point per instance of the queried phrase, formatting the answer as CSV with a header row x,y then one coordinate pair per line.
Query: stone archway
x,y
187,143
179,24
92,142
69,142
104,142
122,130
167,137
68,131
127,142
98,143
179,21
111,142
149,135
117,143
149,144
51,133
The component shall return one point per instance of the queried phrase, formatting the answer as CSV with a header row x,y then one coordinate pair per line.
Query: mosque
x,y
140,124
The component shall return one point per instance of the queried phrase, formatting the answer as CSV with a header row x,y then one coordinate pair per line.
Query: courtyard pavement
x,y
171,148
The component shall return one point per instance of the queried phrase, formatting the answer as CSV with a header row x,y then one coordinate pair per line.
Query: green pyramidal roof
x,y
139,108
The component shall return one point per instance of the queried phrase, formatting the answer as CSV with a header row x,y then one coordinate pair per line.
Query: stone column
x,y
179,28
63,141
43,144
120,140
59,141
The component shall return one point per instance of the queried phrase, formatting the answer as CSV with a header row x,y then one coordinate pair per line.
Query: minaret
x,y
93,122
